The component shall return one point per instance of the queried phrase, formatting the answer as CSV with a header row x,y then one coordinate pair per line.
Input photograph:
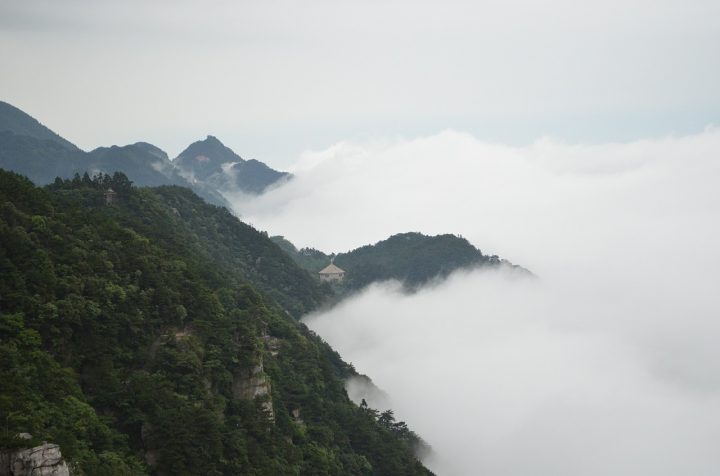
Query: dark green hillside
x,y
144,337
179,219
19,123
412,258
40,159
308,258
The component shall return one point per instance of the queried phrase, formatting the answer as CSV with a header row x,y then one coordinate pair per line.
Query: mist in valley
x,y
605,363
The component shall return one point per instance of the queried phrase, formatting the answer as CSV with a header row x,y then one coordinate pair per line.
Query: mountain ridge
x,y
412,258
33,150
14,120
212,161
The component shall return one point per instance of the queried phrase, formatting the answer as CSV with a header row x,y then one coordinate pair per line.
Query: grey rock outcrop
x,y
253,384
43,460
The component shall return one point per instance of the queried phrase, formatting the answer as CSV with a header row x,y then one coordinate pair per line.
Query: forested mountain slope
x,y
41,160
150,336
412,258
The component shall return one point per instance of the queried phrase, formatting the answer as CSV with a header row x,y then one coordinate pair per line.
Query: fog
x,y
608,363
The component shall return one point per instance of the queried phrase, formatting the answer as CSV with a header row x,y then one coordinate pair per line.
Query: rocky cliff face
x,y
43,460
254,383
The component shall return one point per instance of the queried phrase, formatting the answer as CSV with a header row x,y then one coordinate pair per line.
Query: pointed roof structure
x,y
331,269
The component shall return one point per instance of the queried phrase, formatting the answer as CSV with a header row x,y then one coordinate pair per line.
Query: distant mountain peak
x,y
205,160
210,141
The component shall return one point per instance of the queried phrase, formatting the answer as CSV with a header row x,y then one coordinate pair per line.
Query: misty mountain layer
x,y
212,162
208,167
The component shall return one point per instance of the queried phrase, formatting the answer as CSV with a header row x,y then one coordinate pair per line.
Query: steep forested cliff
x,y
154,335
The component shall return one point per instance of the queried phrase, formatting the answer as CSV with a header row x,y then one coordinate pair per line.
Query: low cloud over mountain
x,y
606,364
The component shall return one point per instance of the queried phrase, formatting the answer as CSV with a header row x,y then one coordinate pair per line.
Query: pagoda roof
x,y
331,269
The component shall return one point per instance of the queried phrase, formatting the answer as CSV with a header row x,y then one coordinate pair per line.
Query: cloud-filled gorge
x,y
606,364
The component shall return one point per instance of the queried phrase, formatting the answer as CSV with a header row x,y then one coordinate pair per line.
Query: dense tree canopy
x,y
411,258
137,335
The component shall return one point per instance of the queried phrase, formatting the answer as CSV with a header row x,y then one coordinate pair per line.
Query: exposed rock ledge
x,y
253,384
43,460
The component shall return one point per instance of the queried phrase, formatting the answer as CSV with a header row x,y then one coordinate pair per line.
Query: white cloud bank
x,y
608,364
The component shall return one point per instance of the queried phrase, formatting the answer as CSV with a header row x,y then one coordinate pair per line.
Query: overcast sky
x,y
275,78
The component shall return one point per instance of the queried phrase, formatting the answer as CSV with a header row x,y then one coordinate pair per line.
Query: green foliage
x,y
308,258
411,258
128,332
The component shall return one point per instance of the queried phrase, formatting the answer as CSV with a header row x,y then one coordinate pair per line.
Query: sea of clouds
x,y
609,363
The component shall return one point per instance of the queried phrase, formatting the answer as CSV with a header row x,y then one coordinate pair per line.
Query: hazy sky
x,y
274,78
